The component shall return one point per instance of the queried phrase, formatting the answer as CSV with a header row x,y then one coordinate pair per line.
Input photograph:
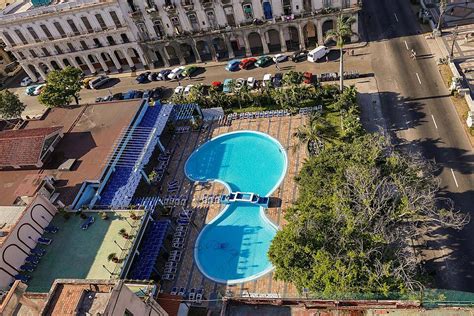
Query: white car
x,y
239,83
26,82
279,58
176,73
179,90
267,80
188,88
38,89
251,82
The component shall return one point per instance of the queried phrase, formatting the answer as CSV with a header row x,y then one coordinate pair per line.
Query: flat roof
x,y
9,216
82,254
90,134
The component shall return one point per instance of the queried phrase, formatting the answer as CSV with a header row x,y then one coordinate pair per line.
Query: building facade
x,y
118,35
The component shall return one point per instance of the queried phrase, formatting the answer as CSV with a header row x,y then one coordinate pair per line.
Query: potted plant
x,y
122,232
133,215
104,215
112,257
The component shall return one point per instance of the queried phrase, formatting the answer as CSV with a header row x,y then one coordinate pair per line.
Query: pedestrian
x,y
179,82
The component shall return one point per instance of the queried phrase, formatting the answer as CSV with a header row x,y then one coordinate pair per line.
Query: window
x,y
73,27
71,47
33,53
175,21
248,10
101,21
186,2
33,33
87,24
194,21
229,14
124,38
97,43
327,3
46,31
287,10
60,29
21,55
9,39
211,18
158,27
111,40
45,51
346,4
58,49
21,36
84,45
115,18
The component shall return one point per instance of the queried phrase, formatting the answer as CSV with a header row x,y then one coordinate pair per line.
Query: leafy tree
x,y
345,99
291,78
314,134
361,204
10,105
442,10
61,87
339,35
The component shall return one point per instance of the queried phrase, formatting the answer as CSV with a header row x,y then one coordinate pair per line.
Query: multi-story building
x,y
117,35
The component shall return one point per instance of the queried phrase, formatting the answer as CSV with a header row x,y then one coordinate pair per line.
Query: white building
x,y
119,35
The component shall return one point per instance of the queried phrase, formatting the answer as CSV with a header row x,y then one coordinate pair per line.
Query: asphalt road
x,y
420,116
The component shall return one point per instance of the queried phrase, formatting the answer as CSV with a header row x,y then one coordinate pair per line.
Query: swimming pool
x,y
233,247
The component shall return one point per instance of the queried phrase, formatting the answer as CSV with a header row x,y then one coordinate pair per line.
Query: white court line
x,y
434,121
418,78
396,17
455,181
406,45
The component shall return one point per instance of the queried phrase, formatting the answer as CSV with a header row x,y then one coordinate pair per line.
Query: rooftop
x,y
90,134
9,215
82,254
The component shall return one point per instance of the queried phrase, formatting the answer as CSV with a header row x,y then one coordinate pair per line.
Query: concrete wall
x,y
16,247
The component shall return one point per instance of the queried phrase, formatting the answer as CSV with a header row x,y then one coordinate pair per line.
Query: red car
x,y
247,63
308,78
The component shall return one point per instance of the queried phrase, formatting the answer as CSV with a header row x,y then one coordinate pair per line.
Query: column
x,y
60,63
115,60
89,64
182,61
164,56
129,60
264,43
319,32
41,72
102,62
212,49
196,52
248,51
74,63
229,47
282,40
301,37
141,55
30,73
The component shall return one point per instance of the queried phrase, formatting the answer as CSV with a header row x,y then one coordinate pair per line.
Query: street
x,y
420,116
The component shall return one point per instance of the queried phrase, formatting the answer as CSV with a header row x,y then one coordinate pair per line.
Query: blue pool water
x,y
233,247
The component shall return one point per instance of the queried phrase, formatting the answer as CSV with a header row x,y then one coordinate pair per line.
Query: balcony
x,y
169,7
187,5
207,3
136,15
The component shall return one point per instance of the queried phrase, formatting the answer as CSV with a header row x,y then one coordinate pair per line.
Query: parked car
x,y
98,99
239,84
176,73
38,89
163,75
98,82
129,95
267,80
29,90
86,82
276,80
26,81
308,77
138,94
263,61
153,76
227,86
117,96
156,93
318,53
233,65
247,63
188,89
178,90
143,77
299,56
279,58
189,70
251,82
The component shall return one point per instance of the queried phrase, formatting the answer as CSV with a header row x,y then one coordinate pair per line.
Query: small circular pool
x,y
233,247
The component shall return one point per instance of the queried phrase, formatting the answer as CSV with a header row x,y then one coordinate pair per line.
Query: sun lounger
x,y
171,264
175,252
168,277
174,291
88,222
192,294
178,240
182,228
38,251
183,201
32,260
27,268
51,229
182,291
199,296
217,199
170,270
178,245
183,221
23,278
44,241
179,234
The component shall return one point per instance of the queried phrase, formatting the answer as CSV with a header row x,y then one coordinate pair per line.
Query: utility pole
x,y
455,34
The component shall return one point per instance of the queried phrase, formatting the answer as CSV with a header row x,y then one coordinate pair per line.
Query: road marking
x,y
406,44
418,78
396,17
455,181
434,121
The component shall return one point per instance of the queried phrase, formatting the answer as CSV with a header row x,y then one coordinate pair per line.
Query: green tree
x,y
315,134
62,86
442,10
291,78
339,35
10,105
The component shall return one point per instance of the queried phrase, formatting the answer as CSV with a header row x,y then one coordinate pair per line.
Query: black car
x,y
299,56
142,78
276,80
156,93
153,76
98,99
117,96
107,98
138,95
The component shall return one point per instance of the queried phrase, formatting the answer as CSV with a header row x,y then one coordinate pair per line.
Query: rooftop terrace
x,y
82,254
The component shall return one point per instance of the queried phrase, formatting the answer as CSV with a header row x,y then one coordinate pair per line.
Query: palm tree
x,y
314,134
339,35
442,10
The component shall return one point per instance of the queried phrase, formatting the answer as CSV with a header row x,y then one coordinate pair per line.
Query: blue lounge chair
x,y
51,229
44,240
88,222
32,260
38,251
23,278
27,268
